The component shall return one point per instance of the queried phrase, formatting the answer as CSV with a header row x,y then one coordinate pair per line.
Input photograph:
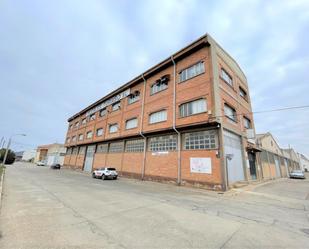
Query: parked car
x,y
299,174
105,173
55,166
40,163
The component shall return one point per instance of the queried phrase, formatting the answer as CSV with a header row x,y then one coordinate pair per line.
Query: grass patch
x,y
2,167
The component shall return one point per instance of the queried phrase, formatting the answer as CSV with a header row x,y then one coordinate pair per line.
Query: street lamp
x,y
8,146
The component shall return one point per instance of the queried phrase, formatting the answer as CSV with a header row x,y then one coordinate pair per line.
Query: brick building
x,y
187,119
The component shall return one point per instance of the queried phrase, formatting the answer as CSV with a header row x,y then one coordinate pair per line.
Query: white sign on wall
x,y
159,153
200,165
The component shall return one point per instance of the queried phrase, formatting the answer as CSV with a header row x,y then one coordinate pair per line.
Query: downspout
x,y
141,129
174,127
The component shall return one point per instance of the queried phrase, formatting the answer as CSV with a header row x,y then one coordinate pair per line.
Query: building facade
x,y
304,162
51,154
272,161
29,155
188,120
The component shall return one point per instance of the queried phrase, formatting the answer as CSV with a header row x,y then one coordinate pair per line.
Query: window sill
x,y
195,114
180,82
157,122
152,94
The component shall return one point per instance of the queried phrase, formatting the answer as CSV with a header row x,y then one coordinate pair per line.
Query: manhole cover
x,y
305,230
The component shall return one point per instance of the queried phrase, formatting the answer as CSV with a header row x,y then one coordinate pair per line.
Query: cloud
x,y
56,57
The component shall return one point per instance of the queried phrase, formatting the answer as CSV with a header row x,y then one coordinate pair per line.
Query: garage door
x,y
277,163
89,158
232,146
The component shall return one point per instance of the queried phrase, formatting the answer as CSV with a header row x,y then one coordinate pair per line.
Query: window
x,y
230,112
74,139
102,148
136,145
92,117
131,123
103,112
158,87
81,137
84,121
116,106
68,140
163,143
247,123
75,150
76,124
133,97
89,134
243,93
200,140
99,132
192,71
82,150
70,126
113,128
193,107
157,117
69,151
226,77
116,147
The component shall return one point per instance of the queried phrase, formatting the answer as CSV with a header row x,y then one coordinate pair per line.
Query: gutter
x,y
141,129
174,126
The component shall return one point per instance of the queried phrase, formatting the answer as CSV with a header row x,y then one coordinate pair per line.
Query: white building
x,y
304,162
51,153
29,155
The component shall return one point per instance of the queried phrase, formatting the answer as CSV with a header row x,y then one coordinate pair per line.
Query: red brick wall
x,y
186,175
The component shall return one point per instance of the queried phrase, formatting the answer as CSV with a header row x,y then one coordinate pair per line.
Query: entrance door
x,y
233,157
89,158
277,163
252,157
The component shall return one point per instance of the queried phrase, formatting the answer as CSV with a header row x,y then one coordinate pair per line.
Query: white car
x,y
40,163
105,173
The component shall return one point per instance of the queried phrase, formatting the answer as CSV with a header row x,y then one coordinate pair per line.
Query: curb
x,y
1,187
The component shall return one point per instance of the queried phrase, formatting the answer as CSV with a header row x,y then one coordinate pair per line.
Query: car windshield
x,y
111,169
297,171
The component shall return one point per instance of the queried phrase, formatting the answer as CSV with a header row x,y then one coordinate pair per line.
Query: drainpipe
x,y
174,127
141,129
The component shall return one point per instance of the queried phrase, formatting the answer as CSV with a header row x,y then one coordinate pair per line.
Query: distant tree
x,y
10,157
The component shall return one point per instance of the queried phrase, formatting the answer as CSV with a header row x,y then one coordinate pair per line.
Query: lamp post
x,y
8,146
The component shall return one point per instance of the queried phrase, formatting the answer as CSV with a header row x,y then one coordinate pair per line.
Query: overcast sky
x,y
57,57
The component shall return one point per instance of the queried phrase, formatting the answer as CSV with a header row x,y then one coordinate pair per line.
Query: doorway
x,y
252,165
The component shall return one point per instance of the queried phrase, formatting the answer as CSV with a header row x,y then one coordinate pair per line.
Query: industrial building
x,y
50,153
187,120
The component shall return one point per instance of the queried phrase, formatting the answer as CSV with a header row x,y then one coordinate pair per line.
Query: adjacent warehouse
x,y
50,153
187,119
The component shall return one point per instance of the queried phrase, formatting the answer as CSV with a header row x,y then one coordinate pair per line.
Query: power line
x,y
265,111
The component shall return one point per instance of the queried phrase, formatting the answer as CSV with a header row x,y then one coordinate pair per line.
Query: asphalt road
x,y
43,208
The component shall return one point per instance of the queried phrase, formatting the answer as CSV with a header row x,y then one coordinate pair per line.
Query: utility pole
x,y
8,147
2,139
